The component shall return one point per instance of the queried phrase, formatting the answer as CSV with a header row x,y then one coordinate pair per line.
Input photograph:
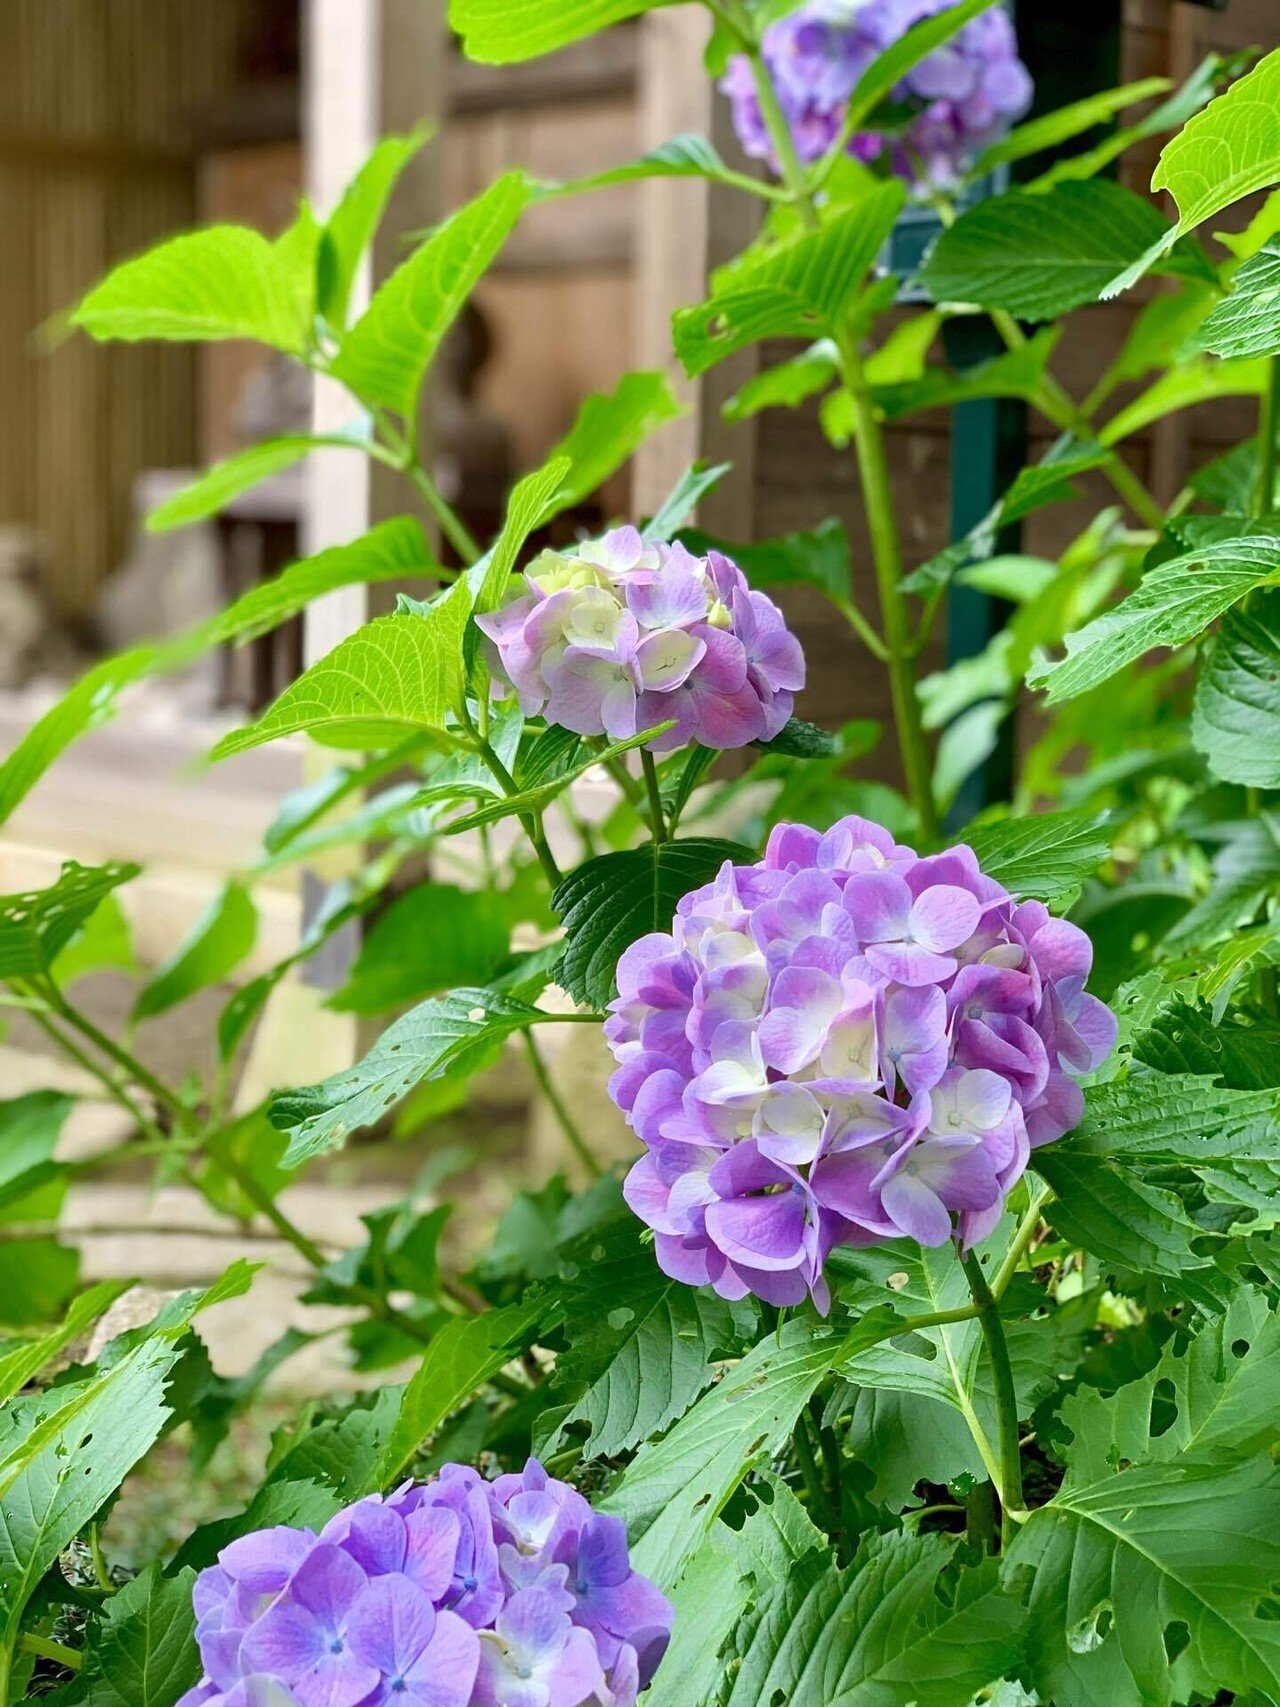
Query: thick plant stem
x,y
886,551
45,1649
1012,1510
877,494
657,821
555,1102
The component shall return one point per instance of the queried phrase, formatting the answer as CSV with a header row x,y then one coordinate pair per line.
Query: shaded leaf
x,y
1236,720
214,946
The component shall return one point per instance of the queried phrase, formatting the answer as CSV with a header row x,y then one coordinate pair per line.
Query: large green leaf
x,y
217,486
391,551
499,32
1175,602
1182,388
1247,323
1228,151
1044,858
673,1491
641,1347
36,926
1146,1143
463,1355
801,289
1039,255
1236,720
353,223
29,1357
140,1650
609,427
224,282
432,938
436,1035
734,1569
396,674
215,945
31,1181
880,1632
608,903
65,1452
1158,1560
385,356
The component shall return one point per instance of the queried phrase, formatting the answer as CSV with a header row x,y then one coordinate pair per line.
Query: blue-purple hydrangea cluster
x,y
624,635
841,1045
955,102
451,1593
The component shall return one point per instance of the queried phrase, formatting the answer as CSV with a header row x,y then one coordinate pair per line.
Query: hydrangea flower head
x,y
622,635
452,1593
957,100
844,1044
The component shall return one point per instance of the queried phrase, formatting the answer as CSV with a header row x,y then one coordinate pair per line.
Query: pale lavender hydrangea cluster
x,y
841,1045
955,102
623,635
451,1593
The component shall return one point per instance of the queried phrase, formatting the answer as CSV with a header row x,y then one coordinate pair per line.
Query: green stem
x,y
447,519
115,1090
531,822
1057,405
43,1649
980,1517
141,1076
577,1143
819,1505
886,552
1027,1229
657,822
617,769
1012,1509
98,1560
1268,421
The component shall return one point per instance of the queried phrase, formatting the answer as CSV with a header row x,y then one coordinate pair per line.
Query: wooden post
x,y
687,228
371,68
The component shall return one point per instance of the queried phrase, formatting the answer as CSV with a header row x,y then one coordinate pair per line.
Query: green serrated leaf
x,y
394,675
1040,254
1227,151
37,925
1247,323
1175,602
217,486
608,903
352,225
432,938
609,428
1043,858
140,1650
384,358
438,1034
1236,719
642,1347
799,289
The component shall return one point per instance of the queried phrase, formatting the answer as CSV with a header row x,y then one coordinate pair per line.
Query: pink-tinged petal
x,y
618,710
727,720
674,598
944,917
1099,1028
845,1184
666,659
723,669
1059,1110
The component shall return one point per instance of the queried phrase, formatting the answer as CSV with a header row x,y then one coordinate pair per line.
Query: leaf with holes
x,y
642,1347
36,926
444,1032
800,289
610,902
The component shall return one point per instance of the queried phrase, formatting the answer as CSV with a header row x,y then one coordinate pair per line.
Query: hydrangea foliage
x,y
452,1593
623,635
953,103
844,1044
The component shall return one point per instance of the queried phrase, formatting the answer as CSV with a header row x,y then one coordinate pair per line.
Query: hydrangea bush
x,y
918,1342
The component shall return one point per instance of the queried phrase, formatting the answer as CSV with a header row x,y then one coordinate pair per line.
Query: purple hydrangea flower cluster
x,y
841,1045
451,1593
623,635
958,99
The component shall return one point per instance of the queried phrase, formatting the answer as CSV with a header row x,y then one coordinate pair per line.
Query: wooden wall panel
x,y
97,99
